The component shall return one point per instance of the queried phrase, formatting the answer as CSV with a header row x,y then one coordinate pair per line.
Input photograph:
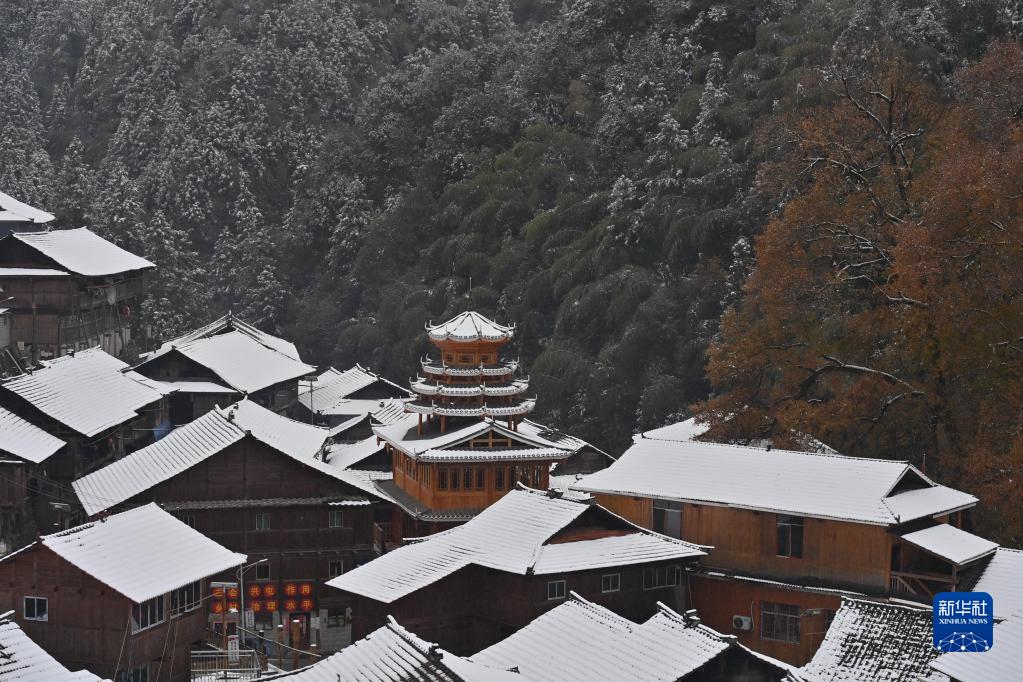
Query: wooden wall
x,y
745,541
88,621
717,600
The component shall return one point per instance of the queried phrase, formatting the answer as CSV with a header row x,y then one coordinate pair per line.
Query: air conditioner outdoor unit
x,y
742,623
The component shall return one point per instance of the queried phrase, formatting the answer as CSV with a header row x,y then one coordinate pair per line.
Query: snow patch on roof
x,y
1003,580
23,660
83,252
14,211
470,326
952,544
25,440
1002,662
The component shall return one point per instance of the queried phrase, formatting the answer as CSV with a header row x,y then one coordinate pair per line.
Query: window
x,y
481,479
188,520
467,479
454,479
263,571
442,479
513,475
426,474
556,590
499,478
37,608
186,598
335,568
611,582
790,536
147,614
262,520
336,518
537,477
779,622
655,577
668,518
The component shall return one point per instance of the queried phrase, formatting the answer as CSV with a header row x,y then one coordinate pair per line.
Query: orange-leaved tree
x,y
885,313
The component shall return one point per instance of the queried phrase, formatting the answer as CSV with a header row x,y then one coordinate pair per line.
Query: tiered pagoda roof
x,y
470,326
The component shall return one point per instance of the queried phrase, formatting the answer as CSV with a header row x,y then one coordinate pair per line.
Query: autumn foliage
x,y
885,314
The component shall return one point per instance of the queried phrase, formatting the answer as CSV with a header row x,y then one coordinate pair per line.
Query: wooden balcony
x,y
920,585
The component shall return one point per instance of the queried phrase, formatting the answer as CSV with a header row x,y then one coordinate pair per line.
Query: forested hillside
x,y
593,171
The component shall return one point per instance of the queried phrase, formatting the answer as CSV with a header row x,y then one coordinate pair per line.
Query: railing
x,y
211,666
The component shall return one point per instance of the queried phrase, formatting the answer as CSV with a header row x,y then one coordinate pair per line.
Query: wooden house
x,y
579,641
260,484
793,532
474,584
222,362
337,398
92,402
70,290
24,449
122,596
23,659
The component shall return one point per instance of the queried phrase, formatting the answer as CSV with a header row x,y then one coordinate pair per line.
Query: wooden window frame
x,y
790,536
660,577
35,607
335,514
260,518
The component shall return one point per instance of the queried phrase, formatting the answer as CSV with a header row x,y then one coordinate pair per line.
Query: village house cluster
x,y
214,504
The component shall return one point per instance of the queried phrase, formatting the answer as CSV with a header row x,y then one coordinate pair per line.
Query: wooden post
x,y
420,430
443,424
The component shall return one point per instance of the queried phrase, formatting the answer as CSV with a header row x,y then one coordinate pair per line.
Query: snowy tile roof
x,y
328,393
22,660
393,654
89,391
27,441
241,361
507,536
874,642
685,430
83,252
142,553
347,455
952,544
581,641
474,454
469,326
1003,580
225,324
14,211
192,443
31,272
1002,662
807,484
404,436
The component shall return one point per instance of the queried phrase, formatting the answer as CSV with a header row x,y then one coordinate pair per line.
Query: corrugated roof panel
x,y
142,553
83,252
27,441
915,504
952,544
89,391
1003,580
802,483
622,550
22,660
242,362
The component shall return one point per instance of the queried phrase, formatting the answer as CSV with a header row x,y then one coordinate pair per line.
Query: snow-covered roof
x,y
32,272
22,660
141,553
1003,580
14,211
241,361
225,324
27,441
329,392
874,642
952,544
581,641
393,654
197,441
188,386
1001,662
806,484
509,536
469,326
684,430
404,436
89,391
83,252
346,455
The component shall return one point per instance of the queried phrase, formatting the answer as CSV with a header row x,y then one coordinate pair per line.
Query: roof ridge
x,y
753,448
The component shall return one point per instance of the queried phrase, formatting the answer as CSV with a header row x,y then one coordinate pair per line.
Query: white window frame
x,y
181,602
610,582
337,514
157,603
35,603
777,613
560,589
